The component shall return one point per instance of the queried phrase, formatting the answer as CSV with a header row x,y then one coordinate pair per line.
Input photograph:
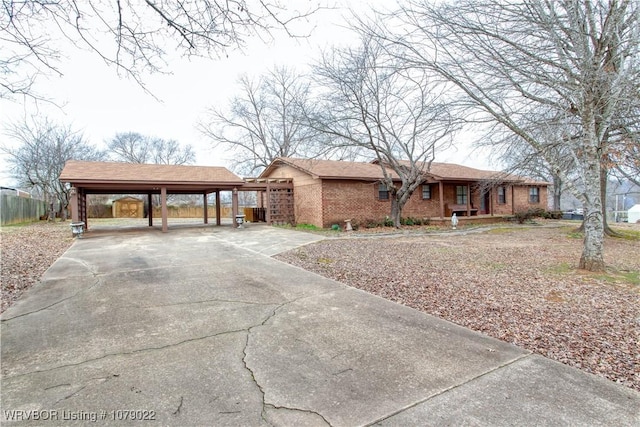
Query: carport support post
x,y
165,211
75,212
150,209
218,210
206,208
234,207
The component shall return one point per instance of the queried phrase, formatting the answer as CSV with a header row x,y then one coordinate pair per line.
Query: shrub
x,y
335,227
371,223
531,213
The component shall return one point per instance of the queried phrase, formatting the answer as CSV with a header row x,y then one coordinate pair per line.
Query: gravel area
x,y
26,252
515,283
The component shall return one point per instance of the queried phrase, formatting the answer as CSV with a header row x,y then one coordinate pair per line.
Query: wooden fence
x,y
14,209
192,212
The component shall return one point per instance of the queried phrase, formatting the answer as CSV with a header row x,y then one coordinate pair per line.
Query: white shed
x,y
633,215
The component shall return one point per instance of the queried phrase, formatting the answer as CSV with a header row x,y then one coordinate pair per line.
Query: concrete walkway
x,y
199,326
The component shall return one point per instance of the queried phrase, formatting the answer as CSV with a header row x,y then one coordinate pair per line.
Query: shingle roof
x,y
335,169
113,172
330,169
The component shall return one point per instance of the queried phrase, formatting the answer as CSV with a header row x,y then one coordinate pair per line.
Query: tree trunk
x,y
604,181
592,253
557,192
396,211
592,258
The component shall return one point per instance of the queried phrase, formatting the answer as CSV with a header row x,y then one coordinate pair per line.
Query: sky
x,y
91,97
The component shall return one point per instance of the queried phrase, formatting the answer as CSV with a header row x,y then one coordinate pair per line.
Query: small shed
x,y
128,207
633,215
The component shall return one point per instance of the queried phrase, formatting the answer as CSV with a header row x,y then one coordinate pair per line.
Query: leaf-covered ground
x,y
26,252
517,284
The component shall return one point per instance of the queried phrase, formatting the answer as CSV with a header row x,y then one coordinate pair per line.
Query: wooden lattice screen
x,y
281,206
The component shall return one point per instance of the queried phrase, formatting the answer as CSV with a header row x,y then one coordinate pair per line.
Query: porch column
x,y
468,200
234,206
165,211
150,209
218,210
206,208
73,203
267,204
441,191
492,194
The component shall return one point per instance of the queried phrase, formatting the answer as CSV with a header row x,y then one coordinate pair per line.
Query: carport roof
x,y
115,176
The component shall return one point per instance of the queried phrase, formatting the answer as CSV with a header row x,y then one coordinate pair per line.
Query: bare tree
x,y
44,148
520,158
267,121
133,36
398,115
565,67
133,147
624,146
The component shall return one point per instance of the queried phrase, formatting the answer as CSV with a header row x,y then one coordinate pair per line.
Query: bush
x,y
531,213
388,222
371,223
335,227
310,227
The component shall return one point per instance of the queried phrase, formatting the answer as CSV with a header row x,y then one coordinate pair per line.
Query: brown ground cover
x,y
26,252
514,283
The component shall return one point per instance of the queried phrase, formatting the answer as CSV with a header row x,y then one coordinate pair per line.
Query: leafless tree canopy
x,y
266,121
44,148
134,36
562,68
398,115
133,147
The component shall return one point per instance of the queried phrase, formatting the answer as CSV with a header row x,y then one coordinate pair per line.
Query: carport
x,y
130,178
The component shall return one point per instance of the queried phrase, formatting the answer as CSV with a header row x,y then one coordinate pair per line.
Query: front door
x,y
485,203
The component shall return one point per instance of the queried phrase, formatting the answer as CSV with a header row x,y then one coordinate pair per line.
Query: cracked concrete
x,y
200,327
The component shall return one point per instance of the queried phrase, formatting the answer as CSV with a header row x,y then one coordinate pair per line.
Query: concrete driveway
x,y
199,326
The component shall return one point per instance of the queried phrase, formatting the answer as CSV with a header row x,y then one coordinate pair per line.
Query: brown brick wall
x,y
356,200
328,202
307,195
521,198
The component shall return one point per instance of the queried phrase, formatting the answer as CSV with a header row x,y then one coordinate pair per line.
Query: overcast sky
x,y
93,98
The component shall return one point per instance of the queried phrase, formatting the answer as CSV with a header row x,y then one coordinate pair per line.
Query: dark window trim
x,y
461,198
534,196
383,192
428,187
502,198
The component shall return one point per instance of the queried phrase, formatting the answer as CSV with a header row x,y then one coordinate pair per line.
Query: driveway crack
x,y
126,353
83,290
252,373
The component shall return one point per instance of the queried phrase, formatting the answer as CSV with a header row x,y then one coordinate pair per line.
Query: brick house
x,y
327,192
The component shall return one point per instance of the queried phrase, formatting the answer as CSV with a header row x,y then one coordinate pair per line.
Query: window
x,y
534,195
383,192
461,194
502,195
426,191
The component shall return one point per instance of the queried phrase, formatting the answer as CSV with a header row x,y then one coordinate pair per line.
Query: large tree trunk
x,y
396,212
557,192
592,258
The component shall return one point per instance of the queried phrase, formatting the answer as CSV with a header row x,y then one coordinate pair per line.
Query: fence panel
x,y
14,209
